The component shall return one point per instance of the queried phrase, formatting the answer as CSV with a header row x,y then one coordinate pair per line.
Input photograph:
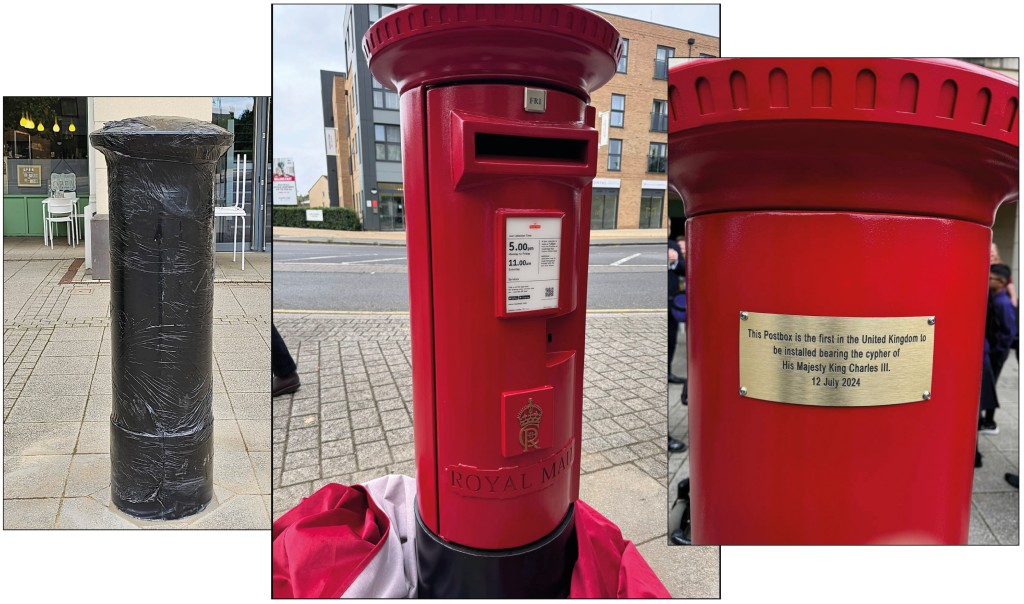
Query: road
x,y
334,277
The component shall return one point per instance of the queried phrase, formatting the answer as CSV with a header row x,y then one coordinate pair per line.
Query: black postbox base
x,y
542,569
183,483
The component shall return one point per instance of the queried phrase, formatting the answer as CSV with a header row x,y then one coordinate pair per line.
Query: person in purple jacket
x,y
1000,332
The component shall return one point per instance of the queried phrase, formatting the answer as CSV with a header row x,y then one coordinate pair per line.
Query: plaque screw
x,y
744,316
927,394
931,320
743,391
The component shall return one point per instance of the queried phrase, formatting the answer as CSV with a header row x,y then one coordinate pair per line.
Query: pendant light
x,y
71,127
56,126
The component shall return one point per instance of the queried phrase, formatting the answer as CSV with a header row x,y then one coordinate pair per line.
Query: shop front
x,y
45,152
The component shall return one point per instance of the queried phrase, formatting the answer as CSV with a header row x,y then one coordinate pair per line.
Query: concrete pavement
x,y
994,503
57,394
352,421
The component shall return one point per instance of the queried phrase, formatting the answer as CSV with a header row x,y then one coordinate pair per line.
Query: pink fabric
x,y
609,566
321,545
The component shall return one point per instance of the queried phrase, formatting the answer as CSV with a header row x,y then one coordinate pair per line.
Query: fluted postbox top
x,y
936,93
556,46
163,138
919,136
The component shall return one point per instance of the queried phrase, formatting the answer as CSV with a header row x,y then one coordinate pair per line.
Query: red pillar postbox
x,y
498,150
839,215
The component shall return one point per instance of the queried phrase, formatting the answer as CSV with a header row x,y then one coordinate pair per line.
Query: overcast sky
x,y
308,38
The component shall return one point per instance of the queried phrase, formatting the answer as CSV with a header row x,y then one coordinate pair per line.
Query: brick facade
x,y
340,102
641,89
638,84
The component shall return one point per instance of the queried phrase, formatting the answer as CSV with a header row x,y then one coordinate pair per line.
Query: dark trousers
x,y
989,400
673,337
998,359
281,362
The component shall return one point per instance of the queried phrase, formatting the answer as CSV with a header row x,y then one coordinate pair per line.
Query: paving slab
x,y
58,391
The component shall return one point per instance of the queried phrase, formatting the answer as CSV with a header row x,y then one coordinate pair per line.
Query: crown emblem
x,y
529,425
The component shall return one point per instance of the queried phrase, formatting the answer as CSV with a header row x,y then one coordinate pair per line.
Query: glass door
x,y
392,212
234,180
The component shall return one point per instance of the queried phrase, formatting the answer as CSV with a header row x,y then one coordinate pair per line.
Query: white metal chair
x,y
64,184
61,210
237,210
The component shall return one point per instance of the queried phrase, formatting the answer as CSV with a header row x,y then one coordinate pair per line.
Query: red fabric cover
x,y
321,545
609,566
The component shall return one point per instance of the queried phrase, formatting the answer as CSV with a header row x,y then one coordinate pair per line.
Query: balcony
x,y
660,69
659,122
657,164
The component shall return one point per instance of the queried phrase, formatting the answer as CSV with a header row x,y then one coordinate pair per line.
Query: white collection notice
x,y
532,249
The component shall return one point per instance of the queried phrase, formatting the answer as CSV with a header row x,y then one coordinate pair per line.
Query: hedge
x,y
335,219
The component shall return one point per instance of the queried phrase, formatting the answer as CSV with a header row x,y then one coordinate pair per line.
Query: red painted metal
x,y
837,187
552,46
476,366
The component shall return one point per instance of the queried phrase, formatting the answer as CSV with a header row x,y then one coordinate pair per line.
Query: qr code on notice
x,y
549,291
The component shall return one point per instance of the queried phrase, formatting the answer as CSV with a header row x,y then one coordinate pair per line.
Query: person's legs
x,y
673,338
281,362
989,399
286,379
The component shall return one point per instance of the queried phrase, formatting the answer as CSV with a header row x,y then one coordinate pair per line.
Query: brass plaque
x,y
836,361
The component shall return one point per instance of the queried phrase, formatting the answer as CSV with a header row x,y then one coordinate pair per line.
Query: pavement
x,y
57,394
351,421
995,504
397,238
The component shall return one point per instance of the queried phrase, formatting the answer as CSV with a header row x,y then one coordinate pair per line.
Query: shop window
x,y
651,203
604,208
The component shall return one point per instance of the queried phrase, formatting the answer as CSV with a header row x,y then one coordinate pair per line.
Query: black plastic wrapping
x,y
161,172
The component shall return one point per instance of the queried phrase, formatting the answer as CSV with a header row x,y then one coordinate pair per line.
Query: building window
x,y
704,55
657,158
661,57
388,140
624,59
651,201
382,97
614,154
604,208
618,115
379,10
659,116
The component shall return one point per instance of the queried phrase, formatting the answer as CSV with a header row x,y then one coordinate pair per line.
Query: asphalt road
x,y
334,277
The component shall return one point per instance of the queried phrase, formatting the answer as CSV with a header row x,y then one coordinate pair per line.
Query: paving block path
x,y
351,421
57,395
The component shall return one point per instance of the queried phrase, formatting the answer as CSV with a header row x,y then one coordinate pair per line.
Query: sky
x,y
308,38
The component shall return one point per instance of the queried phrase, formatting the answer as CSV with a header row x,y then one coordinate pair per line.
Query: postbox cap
x,y
936,93
557,46
163,138
933,137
